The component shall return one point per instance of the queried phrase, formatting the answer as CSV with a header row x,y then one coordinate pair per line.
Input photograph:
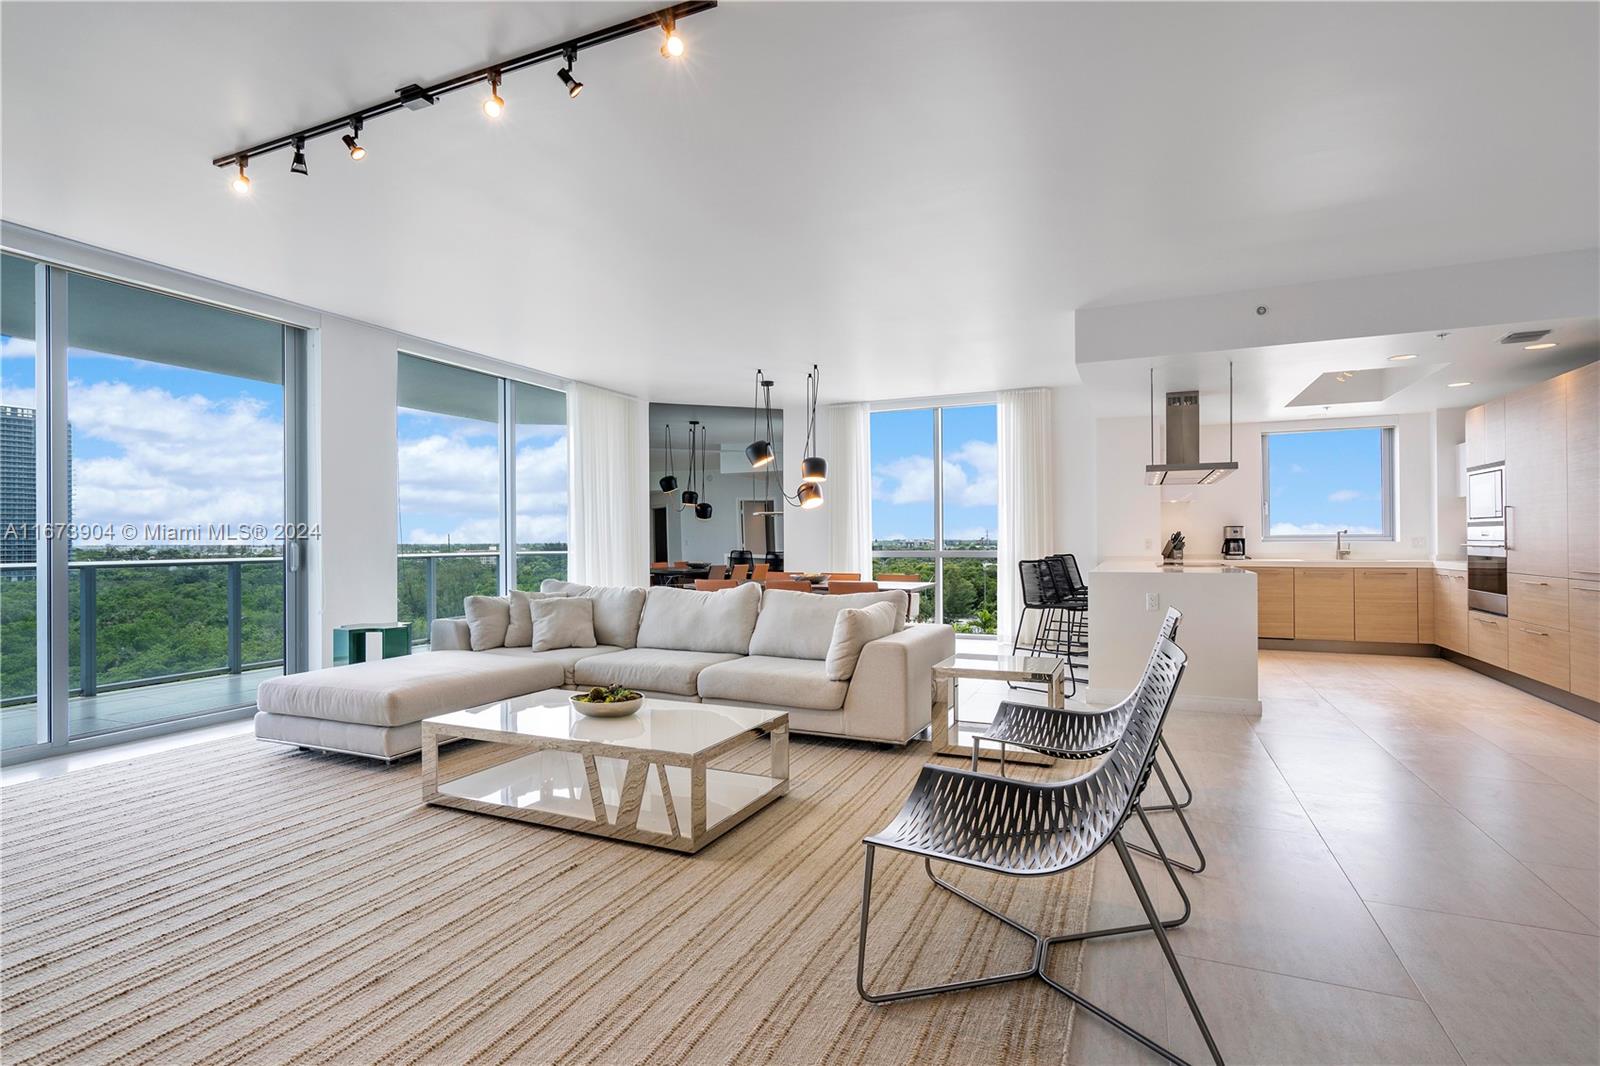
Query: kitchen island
x,y
1128,599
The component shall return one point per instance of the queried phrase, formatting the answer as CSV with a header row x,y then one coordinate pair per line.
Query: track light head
x,y
574,86
299,164
672,45
493,106
241,181
809,495
351,144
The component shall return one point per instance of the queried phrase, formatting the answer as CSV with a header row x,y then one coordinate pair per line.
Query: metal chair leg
x,y
1183,819
1177,768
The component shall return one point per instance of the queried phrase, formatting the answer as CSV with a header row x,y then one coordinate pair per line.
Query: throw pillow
x,y
562,622
519,633
853,630
488,617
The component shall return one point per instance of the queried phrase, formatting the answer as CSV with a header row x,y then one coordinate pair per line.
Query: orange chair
x,y
760,572
844,588
783,585
679,564
777,575
713,584
844,575
659,566
896,577
739,572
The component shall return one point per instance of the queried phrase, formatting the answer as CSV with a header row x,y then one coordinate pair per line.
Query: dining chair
x,y
1019,828
739,572
778,575
759,572
659,566
712,584
680,565
1066,733
843,575
896,577
778,584
844,588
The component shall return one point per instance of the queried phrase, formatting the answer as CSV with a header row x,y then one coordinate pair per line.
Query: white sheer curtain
x,y
608,504
1025,442
848,492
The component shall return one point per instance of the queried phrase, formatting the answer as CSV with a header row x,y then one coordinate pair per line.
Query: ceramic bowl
x,y
605,710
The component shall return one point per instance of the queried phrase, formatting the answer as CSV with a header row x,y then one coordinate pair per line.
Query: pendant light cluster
x,y
690,497
813,468
417,97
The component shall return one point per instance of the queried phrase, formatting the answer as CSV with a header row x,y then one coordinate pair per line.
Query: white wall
x,y
351,390
1450,527
1127,511
1201,511
1076,474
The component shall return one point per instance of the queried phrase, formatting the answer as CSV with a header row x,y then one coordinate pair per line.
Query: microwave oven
x,y
1486,494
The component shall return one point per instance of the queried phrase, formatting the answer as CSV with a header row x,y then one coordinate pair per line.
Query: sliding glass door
x,y
167,490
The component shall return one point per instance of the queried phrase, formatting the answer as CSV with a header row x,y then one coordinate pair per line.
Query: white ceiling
x,y
915,196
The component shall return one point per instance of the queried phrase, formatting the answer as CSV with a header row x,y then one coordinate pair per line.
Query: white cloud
x,y
1316,529
455,477
1344,495
970,477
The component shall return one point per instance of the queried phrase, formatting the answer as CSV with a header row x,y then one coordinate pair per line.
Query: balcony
x,y
150,640
434,584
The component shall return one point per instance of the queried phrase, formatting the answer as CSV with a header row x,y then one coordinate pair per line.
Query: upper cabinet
x,y
1583,473
1535,433
1486,433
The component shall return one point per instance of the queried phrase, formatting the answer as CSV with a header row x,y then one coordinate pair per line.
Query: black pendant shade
x,y
702,510
759,453
809,495
814,468
690,497
669,483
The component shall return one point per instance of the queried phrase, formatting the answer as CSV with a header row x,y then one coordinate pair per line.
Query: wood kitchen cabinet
x,y
1489,639
1536,479
1386,605
1583,473
1450,610
1324,603
1584,654
1540,601
1543,653
1425,606
1486,433
1274,601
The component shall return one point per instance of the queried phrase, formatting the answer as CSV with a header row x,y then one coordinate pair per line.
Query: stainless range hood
x,y
1183,465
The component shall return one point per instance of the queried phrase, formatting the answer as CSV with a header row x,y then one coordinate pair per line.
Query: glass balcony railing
x,y
435,584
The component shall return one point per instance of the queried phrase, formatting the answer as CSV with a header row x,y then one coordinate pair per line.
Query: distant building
x,y
18,498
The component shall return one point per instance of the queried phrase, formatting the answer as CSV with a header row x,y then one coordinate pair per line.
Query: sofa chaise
x,y
739,646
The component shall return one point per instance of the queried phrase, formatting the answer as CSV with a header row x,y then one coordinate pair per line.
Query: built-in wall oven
x,y
1486,567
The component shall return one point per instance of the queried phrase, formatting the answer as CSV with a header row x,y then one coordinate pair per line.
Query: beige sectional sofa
x,y
742,645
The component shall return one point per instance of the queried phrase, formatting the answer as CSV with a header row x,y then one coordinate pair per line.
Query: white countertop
x,y
1146,566
1217,566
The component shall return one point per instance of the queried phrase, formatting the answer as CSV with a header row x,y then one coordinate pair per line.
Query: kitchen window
x,y
1315,483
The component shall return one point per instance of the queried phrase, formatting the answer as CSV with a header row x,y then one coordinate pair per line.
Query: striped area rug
x,y
240,902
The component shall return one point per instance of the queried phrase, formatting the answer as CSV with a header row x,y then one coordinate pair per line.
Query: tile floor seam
x,y
1480,918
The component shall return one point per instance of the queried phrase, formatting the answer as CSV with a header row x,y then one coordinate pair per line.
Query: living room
x,y
607,533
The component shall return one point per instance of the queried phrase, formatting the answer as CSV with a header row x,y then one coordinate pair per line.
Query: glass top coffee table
x,y
642,778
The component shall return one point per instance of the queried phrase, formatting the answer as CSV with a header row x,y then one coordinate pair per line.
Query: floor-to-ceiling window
x,y
935,513
482,490
150,437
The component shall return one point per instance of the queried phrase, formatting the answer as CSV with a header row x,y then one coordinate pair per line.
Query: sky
x,y
902,474
1326,480
158,444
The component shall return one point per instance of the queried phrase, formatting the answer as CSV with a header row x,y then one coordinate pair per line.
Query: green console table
x,y
350,642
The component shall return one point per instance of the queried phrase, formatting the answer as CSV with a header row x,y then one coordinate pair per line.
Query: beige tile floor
x,y
1403,869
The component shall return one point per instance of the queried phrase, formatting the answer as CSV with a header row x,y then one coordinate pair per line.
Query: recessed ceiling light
x,y
1458,384
1400,358
1538,347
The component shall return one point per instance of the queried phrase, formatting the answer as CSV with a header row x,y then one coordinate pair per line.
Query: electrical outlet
x,y
1152,601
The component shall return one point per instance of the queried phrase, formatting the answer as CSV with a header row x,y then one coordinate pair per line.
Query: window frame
x,y
939,553
1390,532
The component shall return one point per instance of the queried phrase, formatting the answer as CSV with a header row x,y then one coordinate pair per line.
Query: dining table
x,y
912,589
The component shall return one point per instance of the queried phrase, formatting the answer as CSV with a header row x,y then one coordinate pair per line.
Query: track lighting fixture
x,y
672,45
690,497
493,105
241,181
347,125
670,480
702,510
351,144
574,86
813,468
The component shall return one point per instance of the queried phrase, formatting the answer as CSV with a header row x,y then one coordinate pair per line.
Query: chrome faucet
x,y
1339,549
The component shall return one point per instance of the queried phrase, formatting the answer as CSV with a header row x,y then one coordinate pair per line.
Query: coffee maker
x,y
1233,542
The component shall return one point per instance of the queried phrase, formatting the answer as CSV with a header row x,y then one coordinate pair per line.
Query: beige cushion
x,y
408,688
617,610
649,669
562,622
488,618
519,633
556,586
779,682
566,657
687,620
854,629
799,625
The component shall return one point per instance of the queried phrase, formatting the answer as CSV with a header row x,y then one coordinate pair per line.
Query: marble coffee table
x,y
643,778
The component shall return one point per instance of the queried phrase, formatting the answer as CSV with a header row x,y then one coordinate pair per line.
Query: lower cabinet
x,y
1274,601
1543,653
1324,603
1489,639
1450,624
1386,605
1583,599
